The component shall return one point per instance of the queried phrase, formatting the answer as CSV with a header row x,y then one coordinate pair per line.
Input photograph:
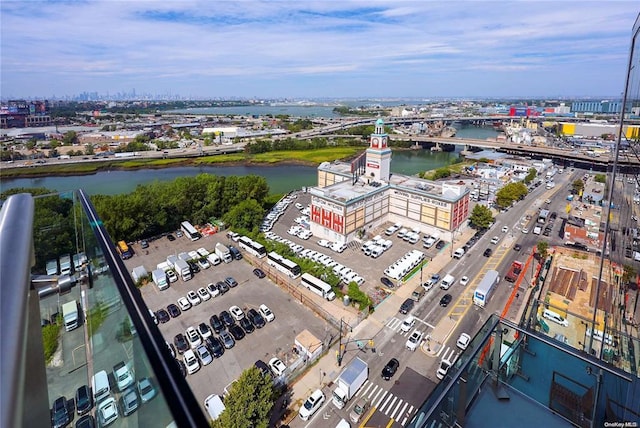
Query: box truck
x,y
160,279
350,381
70,315
183,269
223,252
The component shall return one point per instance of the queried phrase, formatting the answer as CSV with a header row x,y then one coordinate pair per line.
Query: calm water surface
x,y
281,178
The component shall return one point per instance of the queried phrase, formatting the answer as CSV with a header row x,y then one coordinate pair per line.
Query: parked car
x,y
107,411
387,282
266,313
259,273
256,318
311,405
231,282
203,294
144,244
193,298
191,362
87,421
193,337
204,330
173,310
146,390
227,319
390,369
216,324
213,290
171,238
129,401
162,316
277,367
181,343
227,340
237,332
184,304
123,376
247,325
222,286
406,306
204,355
60,416
173,277
84,400
215,346
236,312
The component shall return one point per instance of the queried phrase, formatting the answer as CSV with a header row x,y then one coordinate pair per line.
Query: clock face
x,y
375,141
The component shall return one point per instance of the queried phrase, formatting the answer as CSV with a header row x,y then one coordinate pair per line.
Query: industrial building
x,y
360,196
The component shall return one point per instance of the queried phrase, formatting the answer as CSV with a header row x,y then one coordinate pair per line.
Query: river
x,y
281,178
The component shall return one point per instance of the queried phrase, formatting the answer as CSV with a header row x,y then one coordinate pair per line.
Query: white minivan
x,y
447,282
100,386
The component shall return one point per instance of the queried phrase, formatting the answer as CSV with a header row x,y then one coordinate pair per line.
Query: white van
x,y
100,386
447,282
555,317
458,253
214,406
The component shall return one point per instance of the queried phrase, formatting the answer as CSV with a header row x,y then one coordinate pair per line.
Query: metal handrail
x,y
16,259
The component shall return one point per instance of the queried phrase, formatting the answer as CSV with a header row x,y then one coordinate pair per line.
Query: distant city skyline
x,y
311,50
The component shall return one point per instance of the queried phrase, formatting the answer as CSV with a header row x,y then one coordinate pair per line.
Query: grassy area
x,y
232,157
50,335
315,156
415,270
96,317
455,168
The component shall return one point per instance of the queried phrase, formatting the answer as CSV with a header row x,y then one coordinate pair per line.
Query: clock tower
x,y
378,167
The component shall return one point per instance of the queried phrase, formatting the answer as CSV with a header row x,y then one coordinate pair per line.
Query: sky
x,y
305,49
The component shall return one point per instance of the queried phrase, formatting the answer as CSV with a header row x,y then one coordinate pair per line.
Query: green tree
x,y
247,215
510,193
70,138
249,402
88,149
481,217
629,274
531,175
578,185
441,173
31,144
543,249
600,178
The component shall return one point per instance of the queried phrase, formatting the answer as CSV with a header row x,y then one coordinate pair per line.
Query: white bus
x,y
283,265
318,286
485,288
190,231
252,246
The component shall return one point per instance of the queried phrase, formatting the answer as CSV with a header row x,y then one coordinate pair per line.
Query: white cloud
x,y
161,45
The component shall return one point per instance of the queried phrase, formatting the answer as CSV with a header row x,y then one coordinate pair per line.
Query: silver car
x,y
204,355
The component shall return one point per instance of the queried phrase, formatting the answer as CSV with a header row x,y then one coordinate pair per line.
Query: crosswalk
x,y
387,403
395,323
448,353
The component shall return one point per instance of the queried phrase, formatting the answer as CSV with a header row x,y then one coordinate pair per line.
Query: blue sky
x,y
302,49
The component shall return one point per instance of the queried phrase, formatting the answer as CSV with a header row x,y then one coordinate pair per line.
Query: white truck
x,y
213,259
70,315
350,381
223,252
183,269
160,279
458,253
65,265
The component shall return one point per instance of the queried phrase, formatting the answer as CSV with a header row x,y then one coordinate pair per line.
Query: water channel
x,y
281,178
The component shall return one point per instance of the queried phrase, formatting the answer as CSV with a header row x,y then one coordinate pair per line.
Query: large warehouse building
x,y
362,195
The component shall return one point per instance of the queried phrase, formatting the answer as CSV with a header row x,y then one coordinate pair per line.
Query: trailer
x,y
350,381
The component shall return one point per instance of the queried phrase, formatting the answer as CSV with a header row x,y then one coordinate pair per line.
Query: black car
x,y
173,310
246,325
390,369
227,319
387,282
259,273
181,343
255,317
87,421
264,368
446,299
216,323
517,247
181,367
84,401
231,282
215,347
222,286
171,238
236,331
60,416
194,267
487,252
162,316
406,306
440,245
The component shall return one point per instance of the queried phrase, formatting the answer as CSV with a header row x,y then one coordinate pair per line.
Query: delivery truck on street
x,y
350,381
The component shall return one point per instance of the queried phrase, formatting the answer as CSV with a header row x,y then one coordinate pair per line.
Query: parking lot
x,y
274,339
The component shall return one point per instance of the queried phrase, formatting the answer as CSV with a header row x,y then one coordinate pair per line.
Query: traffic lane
x,y
397,406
